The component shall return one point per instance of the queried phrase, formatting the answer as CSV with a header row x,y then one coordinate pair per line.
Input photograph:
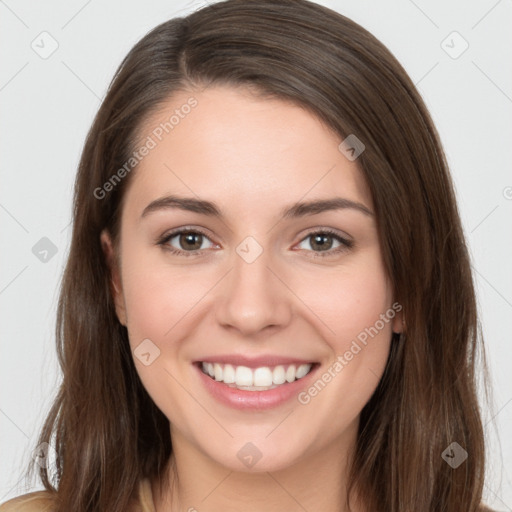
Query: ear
x,y
398,323
116,288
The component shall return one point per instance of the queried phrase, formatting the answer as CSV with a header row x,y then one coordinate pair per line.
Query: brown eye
x,y
326,242
185,242
190,240
321,242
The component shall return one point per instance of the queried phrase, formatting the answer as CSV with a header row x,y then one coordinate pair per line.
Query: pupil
x,y
189,238
320,242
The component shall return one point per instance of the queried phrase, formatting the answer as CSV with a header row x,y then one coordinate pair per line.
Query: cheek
x,y
354,308
158,296
355,314
349,300
156,301
161,303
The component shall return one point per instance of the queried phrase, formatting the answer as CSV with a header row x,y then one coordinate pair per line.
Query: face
x,y
292,313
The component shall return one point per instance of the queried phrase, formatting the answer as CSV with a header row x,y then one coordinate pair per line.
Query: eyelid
x,y
345,240
162,240
331,231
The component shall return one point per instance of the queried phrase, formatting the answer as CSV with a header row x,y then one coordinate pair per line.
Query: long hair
x,y
107,432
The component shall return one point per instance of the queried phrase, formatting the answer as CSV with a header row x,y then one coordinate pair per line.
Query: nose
x,y
254,297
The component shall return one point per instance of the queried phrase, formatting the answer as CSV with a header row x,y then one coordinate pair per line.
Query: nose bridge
x,y
254,298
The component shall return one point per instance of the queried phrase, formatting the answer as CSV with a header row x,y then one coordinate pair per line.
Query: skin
x,y
252,157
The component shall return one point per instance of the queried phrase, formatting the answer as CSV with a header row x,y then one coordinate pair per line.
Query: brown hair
x,y
107,432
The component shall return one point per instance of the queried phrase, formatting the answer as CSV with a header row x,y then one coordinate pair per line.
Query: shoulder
x,y
38,501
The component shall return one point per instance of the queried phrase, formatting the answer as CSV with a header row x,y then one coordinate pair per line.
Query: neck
x,y
194,482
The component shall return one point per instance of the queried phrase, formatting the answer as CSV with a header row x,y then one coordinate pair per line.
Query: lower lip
x,y
254,400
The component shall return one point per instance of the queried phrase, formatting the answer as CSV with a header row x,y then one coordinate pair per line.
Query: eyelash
x,y
345,244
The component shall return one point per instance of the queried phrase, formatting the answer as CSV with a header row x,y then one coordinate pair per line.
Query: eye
x,y
189,241
323,243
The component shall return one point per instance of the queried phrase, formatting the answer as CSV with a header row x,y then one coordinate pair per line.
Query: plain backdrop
x,y
57,59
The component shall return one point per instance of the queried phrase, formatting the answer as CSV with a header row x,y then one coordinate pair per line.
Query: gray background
x,y
48,105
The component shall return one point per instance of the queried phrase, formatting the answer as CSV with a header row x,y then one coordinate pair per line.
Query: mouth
x,y
261,378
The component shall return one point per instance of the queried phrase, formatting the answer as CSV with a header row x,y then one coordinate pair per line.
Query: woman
x,y
268,301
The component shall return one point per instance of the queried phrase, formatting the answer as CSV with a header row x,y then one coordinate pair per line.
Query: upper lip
x,y
254,362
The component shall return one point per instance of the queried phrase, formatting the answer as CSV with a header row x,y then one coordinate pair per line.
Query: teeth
x,y
243,376
255,379
279,375
302,371
229,374
263,376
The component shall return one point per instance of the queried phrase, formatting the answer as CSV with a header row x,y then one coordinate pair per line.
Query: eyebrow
x,y
296,210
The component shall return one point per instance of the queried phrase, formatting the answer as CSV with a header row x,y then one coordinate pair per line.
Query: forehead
x,y
234,148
